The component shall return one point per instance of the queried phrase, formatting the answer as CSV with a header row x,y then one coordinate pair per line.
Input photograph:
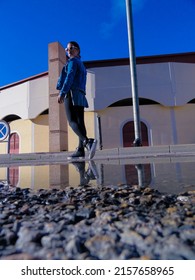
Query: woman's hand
x,y
60,99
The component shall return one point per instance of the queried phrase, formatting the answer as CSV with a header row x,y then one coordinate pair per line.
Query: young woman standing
x,y
72,84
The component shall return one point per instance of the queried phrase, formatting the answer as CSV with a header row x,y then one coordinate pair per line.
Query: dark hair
x,y
75,44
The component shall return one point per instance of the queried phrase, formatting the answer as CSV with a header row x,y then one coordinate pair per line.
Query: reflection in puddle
x,y
167,176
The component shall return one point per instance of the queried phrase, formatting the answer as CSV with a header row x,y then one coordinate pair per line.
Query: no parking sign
x,y
4,130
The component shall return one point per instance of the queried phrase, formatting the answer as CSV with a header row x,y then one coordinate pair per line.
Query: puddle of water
x,y
166,177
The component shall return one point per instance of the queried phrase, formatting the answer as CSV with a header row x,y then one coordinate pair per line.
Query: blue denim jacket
x,y
73,80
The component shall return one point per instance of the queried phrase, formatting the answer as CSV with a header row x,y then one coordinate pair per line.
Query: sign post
x,y
5,133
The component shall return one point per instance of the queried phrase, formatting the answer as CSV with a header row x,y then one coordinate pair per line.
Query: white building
x,y
166,88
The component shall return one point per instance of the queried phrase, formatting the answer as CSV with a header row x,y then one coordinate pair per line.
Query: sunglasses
x,y
71,48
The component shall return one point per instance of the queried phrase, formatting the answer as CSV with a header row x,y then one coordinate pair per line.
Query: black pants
x,y
75,117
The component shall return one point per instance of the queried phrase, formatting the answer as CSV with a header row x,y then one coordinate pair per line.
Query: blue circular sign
x,y
4,130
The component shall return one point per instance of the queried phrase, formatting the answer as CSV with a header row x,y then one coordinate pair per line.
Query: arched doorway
x,y
129,136
14,149
131,171
14,143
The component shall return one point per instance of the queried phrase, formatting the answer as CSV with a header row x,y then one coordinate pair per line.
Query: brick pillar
x,y
58,131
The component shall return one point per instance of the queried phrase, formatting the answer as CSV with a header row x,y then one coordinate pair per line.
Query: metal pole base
x,y
137,142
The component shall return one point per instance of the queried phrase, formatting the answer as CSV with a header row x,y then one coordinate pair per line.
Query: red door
x,y
14,143
131,171
129,135
14,149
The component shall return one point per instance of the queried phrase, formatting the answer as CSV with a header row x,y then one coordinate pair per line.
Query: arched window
x,y
129,134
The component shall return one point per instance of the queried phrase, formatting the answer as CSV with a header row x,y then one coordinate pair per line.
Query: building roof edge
x,y
188,57
177,57
25,80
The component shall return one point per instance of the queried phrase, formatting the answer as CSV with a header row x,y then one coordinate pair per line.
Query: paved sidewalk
x,y
133,153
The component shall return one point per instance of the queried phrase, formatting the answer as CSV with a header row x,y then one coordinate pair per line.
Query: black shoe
x,y
90,145
79,153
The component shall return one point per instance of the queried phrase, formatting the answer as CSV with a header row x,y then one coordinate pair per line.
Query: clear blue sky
x,y
28,26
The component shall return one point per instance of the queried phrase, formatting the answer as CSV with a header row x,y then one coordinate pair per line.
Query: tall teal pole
x,y
137,127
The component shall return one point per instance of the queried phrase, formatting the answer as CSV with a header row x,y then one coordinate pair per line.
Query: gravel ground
x,y
96,223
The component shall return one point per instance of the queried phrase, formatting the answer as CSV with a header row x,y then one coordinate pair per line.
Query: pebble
x,y
93,223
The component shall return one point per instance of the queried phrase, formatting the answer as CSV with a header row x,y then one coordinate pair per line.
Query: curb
x,y
148,152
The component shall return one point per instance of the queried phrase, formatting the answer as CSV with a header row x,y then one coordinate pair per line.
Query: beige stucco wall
x,y
26,100
33,135
3,147
166,125
40,133
185,130
14,101
170,83
24,130
38,97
